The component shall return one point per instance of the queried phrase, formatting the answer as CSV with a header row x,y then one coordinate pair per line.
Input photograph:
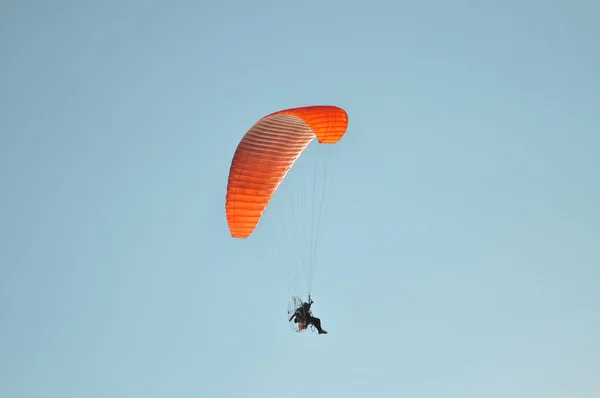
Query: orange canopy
x,y
267,152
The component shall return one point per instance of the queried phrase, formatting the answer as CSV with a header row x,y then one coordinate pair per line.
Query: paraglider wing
x,y
265,155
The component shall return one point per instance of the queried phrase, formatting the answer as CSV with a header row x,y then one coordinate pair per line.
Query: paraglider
x,y
302,316
263,160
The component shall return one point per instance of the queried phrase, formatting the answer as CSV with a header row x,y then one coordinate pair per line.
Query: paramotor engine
x,y
297,323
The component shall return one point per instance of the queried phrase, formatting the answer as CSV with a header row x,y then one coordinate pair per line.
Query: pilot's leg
x,y
317,323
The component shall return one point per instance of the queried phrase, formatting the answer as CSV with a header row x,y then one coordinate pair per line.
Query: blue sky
x,y
460,250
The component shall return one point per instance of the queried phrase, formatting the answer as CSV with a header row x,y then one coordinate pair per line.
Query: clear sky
x,y
460,255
